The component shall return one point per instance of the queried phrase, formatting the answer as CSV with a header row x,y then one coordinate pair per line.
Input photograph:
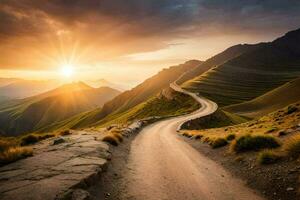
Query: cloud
x,y
40,33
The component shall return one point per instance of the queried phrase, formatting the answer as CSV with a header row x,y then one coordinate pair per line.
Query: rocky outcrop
x,y
58,170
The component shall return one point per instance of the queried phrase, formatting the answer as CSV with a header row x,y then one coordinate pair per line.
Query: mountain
x,y
129,99
30,114
19,88
218,59
276,99
252,73
7,81
104,83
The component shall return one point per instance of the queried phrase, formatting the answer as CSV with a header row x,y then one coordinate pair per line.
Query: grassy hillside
x,y
131,98
217,60
218,119
33,113
252,73
167,103
278,98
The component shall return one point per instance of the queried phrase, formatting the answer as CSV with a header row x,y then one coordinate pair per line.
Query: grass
x,y
268,157
111,139
65,132
292,146
230,137
29,139
270,102
291,109
219,84
218,119
218,142
12,154
118,136
253,142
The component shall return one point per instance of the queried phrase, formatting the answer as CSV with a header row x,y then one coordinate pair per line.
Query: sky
x,y
126,41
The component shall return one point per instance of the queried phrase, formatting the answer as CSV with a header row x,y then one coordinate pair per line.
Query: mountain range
x,y
244,79
29,114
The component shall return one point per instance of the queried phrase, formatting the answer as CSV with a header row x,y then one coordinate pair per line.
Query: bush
x,y
5,144
29,139
65,132
254,142
14,153
111,139
44,137
291,109
218,142
186,135
268,157
198,137
271,130
230,137
292,146
118,136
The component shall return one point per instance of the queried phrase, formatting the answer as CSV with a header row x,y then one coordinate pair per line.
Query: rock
x,y
55,170
80,194
58,141
289,189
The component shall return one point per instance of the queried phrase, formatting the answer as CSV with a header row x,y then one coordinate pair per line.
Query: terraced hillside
x,y
276,99
28,115
228,54
251,74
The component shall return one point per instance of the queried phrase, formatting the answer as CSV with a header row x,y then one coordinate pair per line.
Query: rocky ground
x,y
60,168
277,182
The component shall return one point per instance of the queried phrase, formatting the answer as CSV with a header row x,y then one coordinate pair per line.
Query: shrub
x,y
292,146
118,136
254,142
230,137
29,139
65,132
282,133
218,142
268,157
270,130
198,137
187,135
14,153
206,140
44,137
111,139
291,109
5,144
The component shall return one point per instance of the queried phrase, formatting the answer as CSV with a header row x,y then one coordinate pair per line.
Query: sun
x,y
67,70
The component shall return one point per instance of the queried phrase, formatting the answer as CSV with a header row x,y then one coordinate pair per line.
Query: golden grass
x,y
111,139
292,146
250,142
12,154
268,157
218,142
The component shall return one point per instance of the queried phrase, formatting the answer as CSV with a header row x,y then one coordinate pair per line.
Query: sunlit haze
x,y
128,42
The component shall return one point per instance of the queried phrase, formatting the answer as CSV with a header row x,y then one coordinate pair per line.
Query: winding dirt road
x,y
162,166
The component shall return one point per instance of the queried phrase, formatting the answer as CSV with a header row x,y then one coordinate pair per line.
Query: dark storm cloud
x,y
148,16
145,24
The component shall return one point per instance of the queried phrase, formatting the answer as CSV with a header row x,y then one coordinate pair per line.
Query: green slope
x,y
252,73
167,103
33,113
276,99
218,59
129,99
